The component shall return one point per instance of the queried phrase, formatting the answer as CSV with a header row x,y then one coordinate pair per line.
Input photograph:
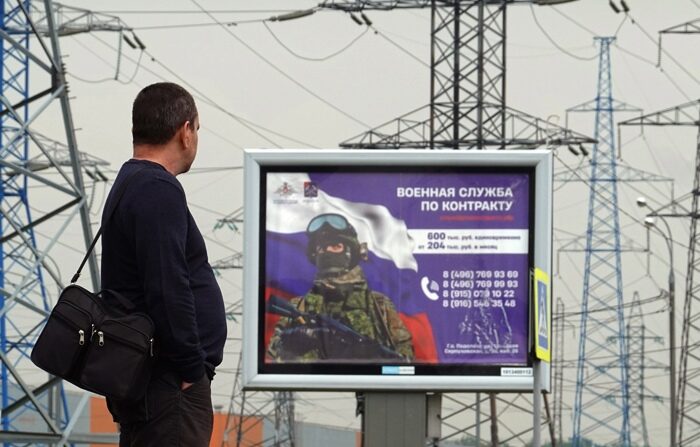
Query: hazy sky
x,y
244,70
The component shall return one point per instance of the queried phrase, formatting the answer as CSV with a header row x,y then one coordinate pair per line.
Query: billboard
x,y
388,269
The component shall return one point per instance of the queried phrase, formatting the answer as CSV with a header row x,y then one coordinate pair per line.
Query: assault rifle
x,y
346,335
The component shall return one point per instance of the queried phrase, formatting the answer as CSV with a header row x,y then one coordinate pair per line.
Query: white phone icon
x,y
429,290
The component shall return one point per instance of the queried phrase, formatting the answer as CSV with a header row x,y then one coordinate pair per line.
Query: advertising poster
x,y
396,268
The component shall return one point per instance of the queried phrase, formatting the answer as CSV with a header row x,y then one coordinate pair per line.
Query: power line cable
x,y
588,184
192,11
594,34
210,101
204,98
136,71
313,59
614,357
197,25
621,210
97,55
609,308
278,69
635,55
641,86
575,22
409,39
653,64
678,64
619,27
207,170
90,81
109,64
402,49
553,42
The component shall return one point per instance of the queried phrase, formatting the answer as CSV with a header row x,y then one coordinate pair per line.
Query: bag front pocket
x,y
64,338
118,361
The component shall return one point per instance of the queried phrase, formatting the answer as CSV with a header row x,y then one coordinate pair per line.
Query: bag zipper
x,y
145,335
70,322
105,311
101,342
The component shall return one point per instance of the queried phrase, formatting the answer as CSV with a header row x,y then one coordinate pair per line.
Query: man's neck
x,y
161,154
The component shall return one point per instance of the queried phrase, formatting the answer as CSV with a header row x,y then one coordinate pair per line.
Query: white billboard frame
x,y
511,379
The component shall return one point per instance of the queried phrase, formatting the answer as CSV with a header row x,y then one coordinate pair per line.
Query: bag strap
x,y
121,299
118,196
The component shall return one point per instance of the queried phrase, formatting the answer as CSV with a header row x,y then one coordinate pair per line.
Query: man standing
x,y
154,254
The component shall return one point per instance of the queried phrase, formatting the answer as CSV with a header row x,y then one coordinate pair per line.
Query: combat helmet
x,y
331,228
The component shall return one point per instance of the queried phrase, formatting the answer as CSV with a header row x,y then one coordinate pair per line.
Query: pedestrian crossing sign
x,y
543,316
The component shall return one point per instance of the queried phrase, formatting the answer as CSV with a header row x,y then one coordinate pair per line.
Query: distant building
x,y
256,430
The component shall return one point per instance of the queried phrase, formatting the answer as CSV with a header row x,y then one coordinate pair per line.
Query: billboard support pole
x,y
537,404
405,419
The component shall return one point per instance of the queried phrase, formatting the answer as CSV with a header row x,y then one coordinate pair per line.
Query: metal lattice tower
x,y
284,419
25,298
31,228
602,262
558,368
467,108
692,27
578,244
234,261
637,337
601,404
688,396
688,410
248,409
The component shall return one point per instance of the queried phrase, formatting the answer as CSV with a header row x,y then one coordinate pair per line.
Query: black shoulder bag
x,y
93,344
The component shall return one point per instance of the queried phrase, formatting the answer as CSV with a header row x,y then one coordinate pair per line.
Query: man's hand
x,y
185,385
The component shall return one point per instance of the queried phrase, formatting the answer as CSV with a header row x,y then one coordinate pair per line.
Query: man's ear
x,y
185,133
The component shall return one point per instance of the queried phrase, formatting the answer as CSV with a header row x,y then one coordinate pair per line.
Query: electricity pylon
x,y
248,409
234,261
601,403
603,410
688,411
467,108
687,414
637,336
31,228
25,263
692,27
558,368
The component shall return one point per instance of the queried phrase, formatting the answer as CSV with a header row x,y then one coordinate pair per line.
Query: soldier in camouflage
x,y
365,324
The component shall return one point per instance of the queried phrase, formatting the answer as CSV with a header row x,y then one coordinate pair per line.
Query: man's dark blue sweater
x,y
154,254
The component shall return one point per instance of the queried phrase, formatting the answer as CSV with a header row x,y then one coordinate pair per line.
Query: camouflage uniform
x,y
347,299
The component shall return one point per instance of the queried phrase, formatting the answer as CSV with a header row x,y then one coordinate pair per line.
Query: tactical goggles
x,y
334,220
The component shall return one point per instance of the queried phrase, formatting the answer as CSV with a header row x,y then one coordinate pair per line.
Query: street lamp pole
x,y
650,223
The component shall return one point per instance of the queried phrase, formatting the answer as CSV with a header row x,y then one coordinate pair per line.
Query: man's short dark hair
x,y
159,110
